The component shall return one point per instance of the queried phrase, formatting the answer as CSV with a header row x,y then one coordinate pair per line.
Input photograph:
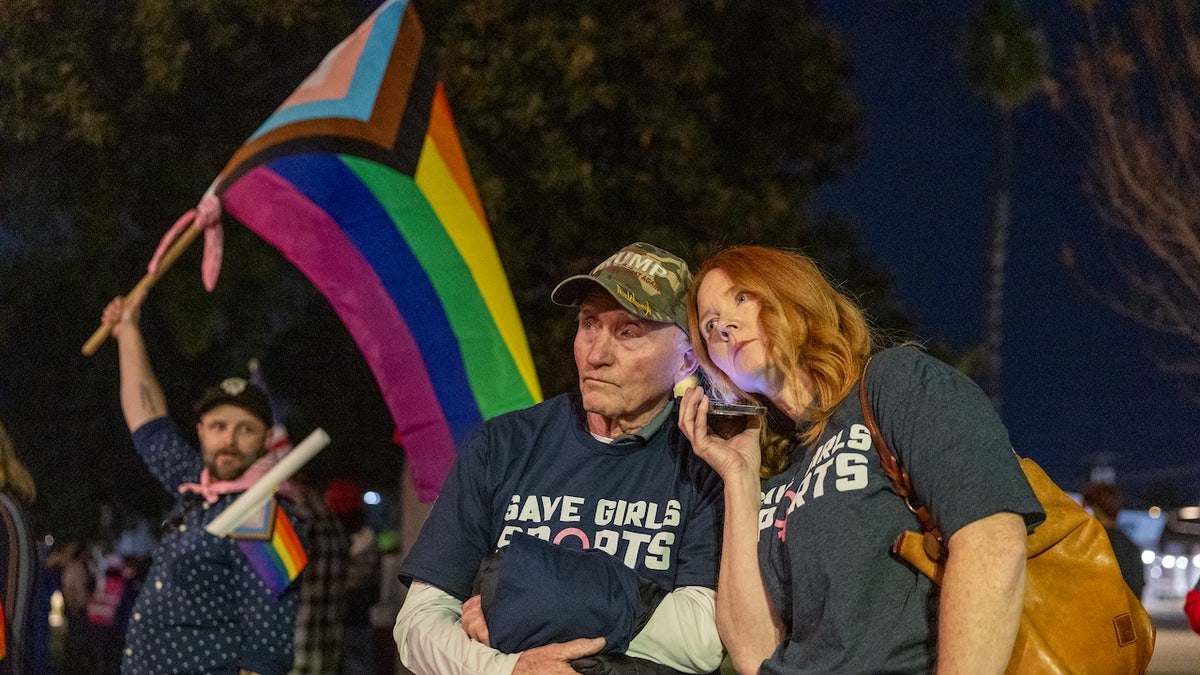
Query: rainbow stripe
x,y
360,180
279,557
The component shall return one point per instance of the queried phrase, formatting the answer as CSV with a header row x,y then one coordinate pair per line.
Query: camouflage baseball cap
x,y
646,280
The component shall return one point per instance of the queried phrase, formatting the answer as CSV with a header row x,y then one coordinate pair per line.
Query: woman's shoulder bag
x,y
1079,614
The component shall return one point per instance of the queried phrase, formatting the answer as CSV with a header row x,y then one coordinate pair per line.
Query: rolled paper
x,y
253,498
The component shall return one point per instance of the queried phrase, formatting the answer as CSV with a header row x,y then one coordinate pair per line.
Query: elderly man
x,y
603,470
204,607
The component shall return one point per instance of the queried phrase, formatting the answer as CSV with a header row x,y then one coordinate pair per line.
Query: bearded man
x,y
204,607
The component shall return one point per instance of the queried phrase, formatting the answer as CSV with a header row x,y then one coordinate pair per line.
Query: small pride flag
x,y
271,546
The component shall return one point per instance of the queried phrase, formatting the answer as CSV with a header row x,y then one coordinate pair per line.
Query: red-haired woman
x,y
807,584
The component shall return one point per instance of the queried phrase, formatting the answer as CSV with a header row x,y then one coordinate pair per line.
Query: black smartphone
x,y
718,408
730,419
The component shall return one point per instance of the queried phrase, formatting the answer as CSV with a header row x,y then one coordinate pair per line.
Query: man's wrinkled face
x,y
231,439
627,365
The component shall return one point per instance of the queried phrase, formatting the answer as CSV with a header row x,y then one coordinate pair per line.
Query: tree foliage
x,y
114,117
1006,56
588,126
1141,93
1006,62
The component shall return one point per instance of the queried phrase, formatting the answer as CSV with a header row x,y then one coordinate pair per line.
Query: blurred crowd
x,y
83,592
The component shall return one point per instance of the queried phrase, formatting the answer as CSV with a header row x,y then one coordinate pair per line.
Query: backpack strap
x,y
897,474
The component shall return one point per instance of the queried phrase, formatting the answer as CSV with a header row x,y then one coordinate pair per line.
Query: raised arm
x,y
142,398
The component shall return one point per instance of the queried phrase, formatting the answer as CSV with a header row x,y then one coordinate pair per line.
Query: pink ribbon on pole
x,y
206,216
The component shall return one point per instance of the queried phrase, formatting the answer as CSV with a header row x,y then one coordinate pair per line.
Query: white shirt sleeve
x,y
682,632
431,641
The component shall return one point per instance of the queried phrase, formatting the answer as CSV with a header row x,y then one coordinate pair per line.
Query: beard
x,y
228,465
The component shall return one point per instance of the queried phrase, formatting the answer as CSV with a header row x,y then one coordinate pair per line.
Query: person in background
x,y
605,470
205,607
119,578
344,498
18,556
1191,607
808,583
74,564
1104,501
318,636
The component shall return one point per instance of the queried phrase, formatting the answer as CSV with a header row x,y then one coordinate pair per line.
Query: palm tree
x,y
1006,62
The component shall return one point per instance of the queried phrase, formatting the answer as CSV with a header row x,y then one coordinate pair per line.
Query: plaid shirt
x,y
318,637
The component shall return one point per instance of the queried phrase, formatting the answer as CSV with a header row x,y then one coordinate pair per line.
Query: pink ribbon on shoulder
x,y
212,489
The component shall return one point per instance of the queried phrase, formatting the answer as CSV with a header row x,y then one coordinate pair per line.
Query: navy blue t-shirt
x,y
848,605
652,504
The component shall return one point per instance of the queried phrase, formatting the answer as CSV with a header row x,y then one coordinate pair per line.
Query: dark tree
x,y
1137,76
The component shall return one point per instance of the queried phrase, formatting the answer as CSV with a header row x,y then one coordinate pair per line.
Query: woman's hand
x,y
738,455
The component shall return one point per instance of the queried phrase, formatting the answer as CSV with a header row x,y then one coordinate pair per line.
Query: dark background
x,y
1080,386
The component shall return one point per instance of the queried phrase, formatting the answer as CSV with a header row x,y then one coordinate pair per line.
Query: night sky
x,y
1078,382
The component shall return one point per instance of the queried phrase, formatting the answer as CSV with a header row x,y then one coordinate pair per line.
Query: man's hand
x,y
142,397
554,659
473,621
123,311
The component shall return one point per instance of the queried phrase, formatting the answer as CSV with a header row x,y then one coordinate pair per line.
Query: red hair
x,y
809,327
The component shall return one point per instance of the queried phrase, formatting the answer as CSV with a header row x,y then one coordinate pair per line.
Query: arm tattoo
x,y
147,399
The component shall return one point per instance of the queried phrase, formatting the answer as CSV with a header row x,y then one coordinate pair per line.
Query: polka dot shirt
x,y
202,608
